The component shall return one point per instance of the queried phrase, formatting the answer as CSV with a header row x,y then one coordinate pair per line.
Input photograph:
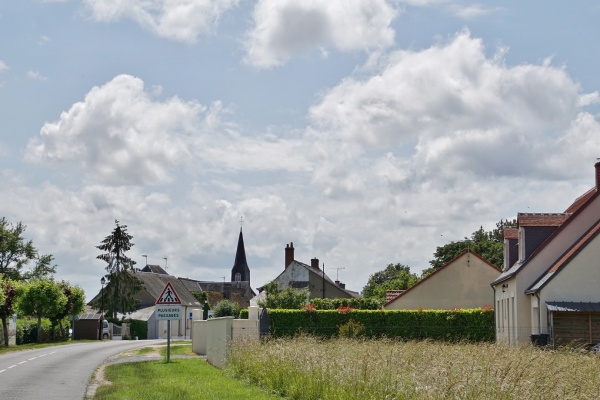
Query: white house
x,y
550,285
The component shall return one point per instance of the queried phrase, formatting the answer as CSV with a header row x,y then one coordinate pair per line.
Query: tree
x,y
122,285
75,305
227,308
43,268
489,245
393,277
287,299
42,299
9,290
15,251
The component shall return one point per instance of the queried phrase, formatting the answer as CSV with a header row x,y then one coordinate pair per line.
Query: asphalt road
x,y
57,372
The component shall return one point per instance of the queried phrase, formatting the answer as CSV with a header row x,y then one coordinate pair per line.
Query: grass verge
x,y
179,379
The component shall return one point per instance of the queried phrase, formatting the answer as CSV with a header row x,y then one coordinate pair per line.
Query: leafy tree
x,y
15,251
43,268
42,299
75,305
122,285
489,245
288,298
227,308
9,290
393,277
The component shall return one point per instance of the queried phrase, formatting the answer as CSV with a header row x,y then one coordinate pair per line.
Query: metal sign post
x,y
168,308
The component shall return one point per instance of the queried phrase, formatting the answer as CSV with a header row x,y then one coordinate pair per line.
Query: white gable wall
x,y
463,284
578,281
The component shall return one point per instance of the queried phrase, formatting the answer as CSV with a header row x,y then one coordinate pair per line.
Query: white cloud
x,y
181,20
36,76
3,66
284,28
120,134
411,98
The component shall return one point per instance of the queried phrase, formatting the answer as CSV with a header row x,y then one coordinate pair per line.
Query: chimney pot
x,y
597,166
314,263
289,254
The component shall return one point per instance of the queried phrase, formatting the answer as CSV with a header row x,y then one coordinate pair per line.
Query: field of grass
x,y
179,379
309,368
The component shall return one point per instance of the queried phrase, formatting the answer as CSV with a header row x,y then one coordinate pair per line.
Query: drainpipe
x,y
537,294
495,315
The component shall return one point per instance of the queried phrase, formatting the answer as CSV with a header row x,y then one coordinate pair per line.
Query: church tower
x,y
240,270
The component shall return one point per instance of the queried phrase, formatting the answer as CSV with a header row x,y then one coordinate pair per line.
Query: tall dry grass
x,y
310,368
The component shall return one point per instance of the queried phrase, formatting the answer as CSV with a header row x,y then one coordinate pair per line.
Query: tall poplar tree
x,y
122,285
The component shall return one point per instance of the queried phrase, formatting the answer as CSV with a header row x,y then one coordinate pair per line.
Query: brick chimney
x,y
597,166
314,263
289,254
340,284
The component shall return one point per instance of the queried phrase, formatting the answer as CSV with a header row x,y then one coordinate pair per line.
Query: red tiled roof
x,y
392,294
581,200
511,233
575,249
541,219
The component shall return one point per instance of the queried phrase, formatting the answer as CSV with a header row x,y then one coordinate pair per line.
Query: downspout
x,y
537,294
495,316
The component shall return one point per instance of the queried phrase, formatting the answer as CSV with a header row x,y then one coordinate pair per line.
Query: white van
x,y
105,330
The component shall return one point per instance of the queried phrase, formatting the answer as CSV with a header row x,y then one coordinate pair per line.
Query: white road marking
x,y
12,366
2,370
32,359
22,362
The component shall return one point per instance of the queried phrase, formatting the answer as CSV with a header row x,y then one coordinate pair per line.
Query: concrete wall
x,y
211,337
218,334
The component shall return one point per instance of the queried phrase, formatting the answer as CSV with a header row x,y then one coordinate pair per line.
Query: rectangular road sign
x,y
164,312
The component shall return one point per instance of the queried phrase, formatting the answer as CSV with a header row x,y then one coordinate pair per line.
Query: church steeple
x,y
240,270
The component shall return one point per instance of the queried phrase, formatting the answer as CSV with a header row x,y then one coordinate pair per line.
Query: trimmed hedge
x,y
138,328
356,303
474,325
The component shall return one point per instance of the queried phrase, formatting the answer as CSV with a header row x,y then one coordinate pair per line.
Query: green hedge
x,y
138,328
357,304
243,313
27,330
451,325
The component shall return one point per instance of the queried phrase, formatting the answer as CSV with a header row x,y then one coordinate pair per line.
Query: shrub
x,y
227,308
351,329
27,330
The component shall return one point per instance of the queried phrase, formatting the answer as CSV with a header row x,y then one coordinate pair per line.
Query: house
x,y
154,279
549,287
300,276
461,283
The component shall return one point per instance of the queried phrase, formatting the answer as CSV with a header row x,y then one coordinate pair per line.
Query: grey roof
x,y
143,314
157,269
319,273
155,284
573,306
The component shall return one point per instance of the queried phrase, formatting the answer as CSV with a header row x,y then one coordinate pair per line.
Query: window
x,y
238,277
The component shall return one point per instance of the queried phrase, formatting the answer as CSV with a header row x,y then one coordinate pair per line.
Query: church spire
x,y
240,266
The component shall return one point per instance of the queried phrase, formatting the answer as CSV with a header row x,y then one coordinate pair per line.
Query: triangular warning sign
x,y
168,296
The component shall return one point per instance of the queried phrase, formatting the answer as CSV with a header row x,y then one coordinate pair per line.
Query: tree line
x,y
32,292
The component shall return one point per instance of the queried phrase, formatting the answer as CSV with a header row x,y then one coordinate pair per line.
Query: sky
x,y
366,132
